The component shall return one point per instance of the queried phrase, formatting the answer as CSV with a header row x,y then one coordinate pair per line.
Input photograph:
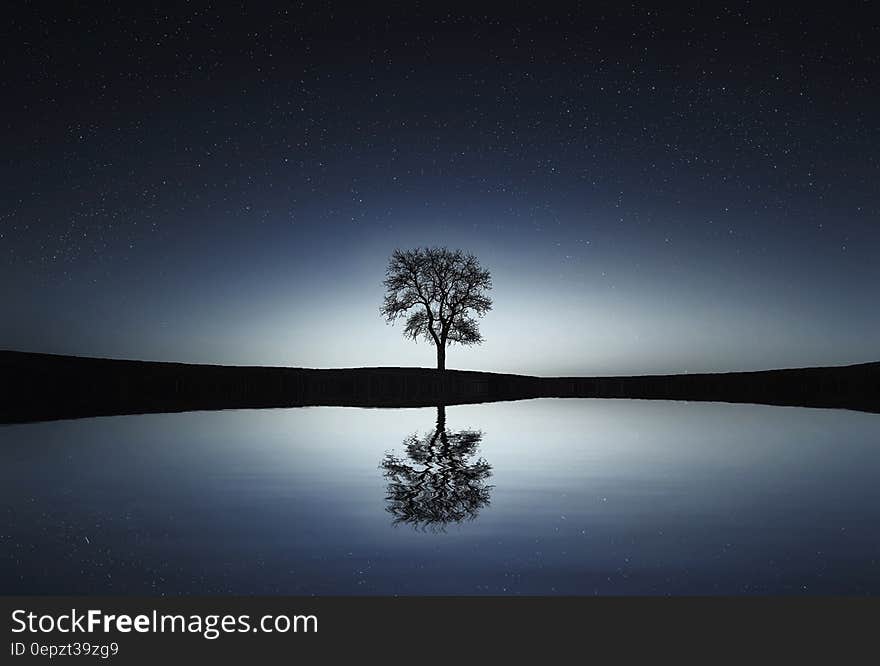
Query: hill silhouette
x,y
37,387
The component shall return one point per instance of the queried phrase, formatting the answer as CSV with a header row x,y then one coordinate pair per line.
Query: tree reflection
x,y
437,483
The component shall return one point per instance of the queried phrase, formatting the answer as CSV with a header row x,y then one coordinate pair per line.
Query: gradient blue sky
x,y
652,192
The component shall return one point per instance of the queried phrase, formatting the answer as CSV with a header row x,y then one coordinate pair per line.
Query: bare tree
x,y
437,482
439,292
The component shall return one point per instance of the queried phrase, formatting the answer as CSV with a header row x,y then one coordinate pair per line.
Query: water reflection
x,y
437,482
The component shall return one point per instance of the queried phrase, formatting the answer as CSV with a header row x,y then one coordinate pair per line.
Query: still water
x,y
531,497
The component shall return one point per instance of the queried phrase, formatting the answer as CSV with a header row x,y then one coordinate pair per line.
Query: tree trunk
x,y
441,357
441,417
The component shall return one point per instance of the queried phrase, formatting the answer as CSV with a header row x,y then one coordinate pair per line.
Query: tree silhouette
x,y
436,484
438,291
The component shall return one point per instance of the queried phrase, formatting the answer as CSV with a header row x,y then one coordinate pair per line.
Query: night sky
x,y
653,191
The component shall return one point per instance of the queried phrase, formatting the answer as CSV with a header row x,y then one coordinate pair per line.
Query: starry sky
x,y
654,190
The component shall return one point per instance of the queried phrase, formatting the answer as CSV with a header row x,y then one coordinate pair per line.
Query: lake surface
x,y
532,497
